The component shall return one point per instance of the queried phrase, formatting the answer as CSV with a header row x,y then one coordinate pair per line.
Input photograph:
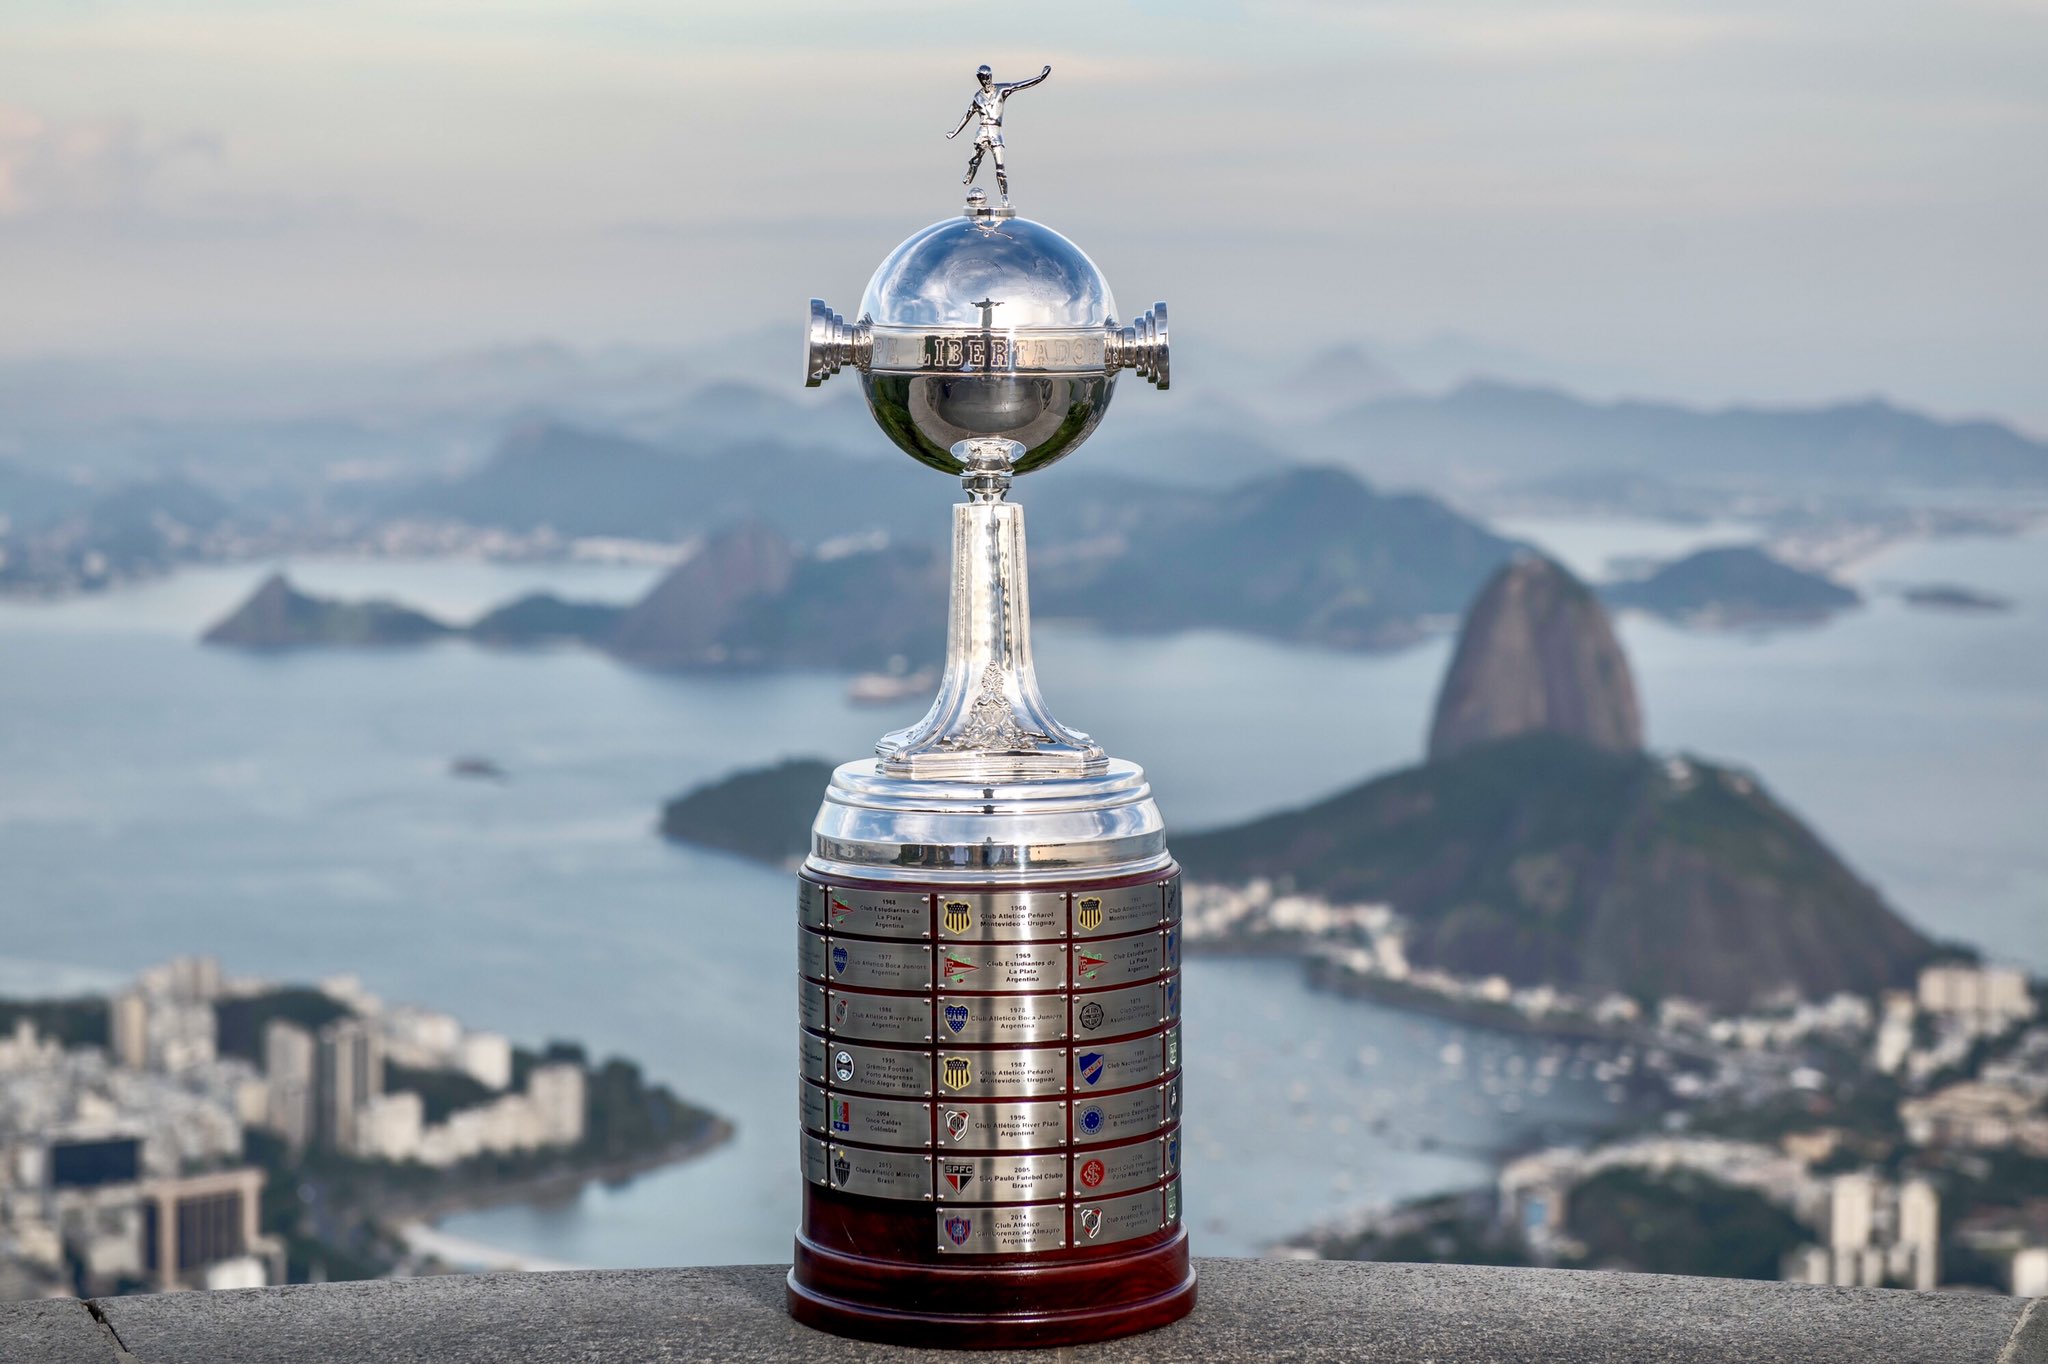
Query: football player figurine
x,y
988,104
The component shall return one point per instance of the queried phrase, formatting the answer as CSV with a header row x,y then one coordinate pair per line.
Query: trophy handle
x,y
1142,349
830,343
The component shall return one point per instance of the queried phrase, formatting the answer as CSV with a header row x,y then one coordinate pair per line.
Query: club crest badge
x,y
956,1016
958,1229
1090,1119
1091,964
1091,1222
1092,1174
957,1072
841,911
1091,1016
1091,1063
958,1177
841,1006
1173,1153
842,1116
959,916
842,1066
959,968
1088,913
1172,947
838,961
841,1167
956,1124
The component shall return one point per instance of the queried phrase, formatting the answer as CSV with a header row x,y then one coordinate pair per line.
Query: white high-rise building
x,y
350,1074
1919,1233
289,1062
487,1056
557,1094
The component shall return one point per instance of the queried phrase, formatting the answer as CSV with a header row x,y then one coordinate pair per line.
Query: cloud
x,y
92,168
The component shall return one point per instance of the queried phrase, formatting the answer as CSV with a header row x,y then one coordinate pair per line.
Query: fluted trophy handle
x,y
1142,349
830,343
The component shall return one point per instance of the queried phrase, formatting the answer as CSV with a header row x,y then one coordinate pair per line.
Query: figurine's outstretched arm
x,y
1012,87
965,119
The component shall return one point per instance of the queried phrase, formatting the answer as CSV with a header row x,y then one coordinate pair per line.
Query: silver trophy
x,y
989,951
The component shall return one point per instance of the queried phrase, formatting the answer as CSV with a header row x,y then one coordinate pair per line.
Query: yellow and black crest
x,y
959,916
1088,913
958,1072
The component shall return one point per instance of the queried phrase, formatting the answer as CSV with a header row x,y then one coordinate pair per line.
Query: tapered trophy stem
x,y
989,721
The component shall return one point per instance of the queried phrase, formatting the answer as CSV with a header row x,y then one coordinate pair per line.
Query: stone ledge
x,y
1250,1310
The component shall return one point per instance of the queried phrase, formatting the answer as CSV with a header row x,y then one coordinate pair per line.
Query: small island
x,y
1950,597
1733,587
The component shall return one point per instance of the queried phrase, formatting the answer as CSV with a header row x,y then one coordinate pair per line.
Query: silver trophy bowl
x,y
986,327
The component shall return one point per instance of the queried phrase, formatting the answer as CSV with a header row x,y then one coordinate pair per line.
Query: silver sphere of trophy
x,y
987,327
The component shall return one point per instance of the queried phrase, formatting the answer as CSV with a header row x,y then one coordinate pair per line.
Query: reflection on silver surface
x,y
1002,1126
879,913
810,903
1000,1179
1116,961
877,1122
810,953
1019,1072
1117,1065
1100,1222
1116,1169
1125,909
880,1070
1002,1018
810,1005
879,1174
881,1018
1002,916
811,1058
815,1165
811,1105
1113,1013
1014,1230
1004,967
879,965
1119,1117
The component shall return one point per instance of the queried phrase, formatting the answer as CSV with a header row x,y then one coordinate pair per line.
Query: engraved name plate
x,y
811,953
1116,961
1002,1018
1172,1047
880,1174
879,913
879,1070
1113,1013
1002,916
1105,913
1117,1065
817,1168
810,1005
810,1102
1017,1230
1117,1169
881,965
1169,991
1120,1116
881,1018
1006,967
1000,1179
1173,899
884,1122
1107,1220
811,1057
1171,947
1016,1072
1002,1126
810,903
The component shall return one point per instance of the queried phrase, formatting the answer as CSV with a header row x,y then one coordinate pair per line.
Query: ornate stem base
x,y
990,1102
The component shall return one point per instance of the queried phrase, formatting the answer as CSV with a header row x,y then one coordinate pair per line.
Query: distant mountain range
x,y
1733,586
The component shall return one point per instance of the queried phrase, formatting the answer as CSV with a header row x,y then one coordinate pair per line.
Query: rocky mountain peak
x,y
1537,653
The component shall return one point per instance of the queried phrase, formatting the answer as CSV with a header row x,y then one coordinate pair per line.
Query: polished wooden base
x,y
1067,1299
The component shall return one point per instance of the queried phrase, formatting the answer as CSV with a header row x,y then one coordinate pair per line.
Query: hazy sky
x,y
1711,198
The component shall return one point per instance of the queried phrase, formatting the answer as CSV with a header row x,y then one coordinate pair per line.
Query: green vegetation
x,y
764,814
1546,860
242,1021
74,1022
441,1092
1678,1223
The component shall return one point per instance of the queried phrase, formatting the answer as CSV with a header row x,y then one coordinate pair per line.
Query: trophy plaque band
x,y
990,1100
